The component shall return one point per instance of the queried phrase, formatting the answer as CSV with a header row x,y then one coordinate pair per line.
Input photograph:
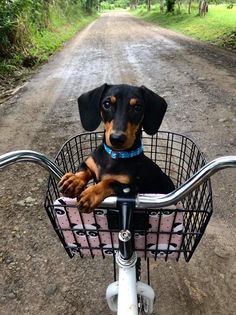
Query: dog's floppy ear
x,y
89,108
155,108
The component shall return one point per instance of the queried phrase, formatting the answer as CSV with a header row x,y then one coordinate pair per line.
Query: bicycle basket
x,y
165,233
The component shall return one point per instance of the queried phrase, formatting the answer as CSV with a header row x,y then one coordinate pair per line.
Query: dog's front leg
x,y
71,185
92,196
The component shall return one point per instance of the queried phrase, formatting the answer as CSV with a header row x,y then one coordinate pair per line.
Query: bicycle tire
x,y
138,267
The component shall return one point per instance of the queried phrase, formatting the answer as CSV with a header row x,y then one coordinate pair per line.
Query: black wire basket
x,y
158,233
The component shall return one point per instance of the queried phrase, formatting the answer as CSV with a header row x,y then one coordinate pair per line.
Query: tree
x,y
161,6
203,7
189,6
170,5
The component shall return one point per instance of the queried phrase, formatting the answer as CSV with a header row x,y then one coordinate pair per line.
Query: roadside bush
x,y
30,28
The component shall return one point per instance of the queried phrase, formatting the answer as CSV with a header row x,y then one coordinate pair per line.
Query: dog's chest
x,y
128,167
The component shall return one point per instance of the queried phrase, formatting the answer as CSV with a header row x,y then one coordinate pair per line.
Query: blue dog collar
x,y
123,154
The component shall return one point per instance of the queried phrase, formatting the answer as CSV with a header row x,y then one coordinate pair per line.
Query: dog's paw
x,y
71,185
89,199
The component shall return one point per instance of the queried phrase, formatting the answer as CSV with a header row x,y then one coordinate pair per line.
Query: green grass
x,y
47,42
218,26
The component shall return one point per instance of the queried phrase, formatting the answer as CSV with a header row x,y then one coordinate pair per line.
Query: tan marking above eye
x,y
133,101
113,99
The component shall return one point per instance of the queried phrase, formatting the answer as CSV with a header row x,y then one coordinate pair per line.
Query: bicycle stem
x,y
126,205
142,200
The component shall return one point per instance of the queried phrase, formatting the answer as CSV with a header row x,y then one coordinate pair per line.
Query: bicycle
x,y
171,225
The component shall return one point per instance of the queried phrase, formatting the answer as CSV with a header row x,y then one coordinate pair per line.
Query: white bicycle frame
x,y
122,295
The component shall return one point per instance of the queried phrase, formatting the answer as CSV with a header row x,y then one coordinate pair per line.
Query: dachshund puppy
x,y
119,161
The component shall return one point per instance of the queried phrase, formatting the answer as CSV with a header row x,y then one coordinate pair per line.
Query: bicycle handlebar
x,y
34,157
142,200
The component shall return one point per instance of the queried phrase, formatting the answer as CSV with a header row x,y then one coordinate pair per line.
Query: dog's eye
x,y
106,104
138,108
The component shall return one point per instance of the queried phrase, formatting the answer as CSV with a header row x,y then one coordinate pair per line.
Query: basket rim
x,y
146,136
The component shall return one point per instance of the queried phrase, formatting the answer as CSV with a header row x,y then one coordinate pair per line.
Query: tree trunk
x,y
189,6
170,4
179,4
161,6
203,7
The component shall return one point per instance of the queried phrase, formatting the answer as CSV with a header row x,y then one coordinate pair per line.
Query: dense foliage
x,y
22,21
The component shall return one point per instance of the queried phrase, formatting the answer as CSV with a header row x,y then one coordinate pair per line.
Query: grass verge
x,y
43,44
217,27
47,42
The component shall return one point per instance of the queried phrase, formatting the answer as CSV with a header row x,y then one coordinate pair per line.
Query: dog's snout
x,y
118,139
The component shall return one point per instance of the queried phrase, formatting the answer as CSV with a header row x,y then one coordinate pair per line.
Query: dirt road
x,y
198,81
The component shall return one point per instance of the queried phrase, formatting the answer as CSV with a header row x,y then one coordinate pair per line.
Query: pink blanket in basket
x,y
89,233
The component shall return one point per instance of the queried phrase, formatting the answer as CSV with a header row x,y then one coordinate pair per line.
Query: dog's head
x,y
124,110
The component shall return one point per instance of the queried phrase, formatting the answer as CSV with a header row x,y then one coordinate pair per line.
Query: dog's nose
x,y
117,139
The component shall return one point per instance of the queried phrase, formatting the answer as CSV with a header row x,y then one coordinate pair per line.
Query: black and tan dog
x,y
119,161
